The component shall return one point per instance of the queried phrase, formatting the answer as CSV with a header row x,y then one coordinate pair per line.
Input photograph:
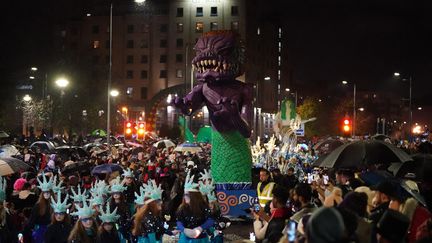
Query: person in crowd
x,y
131,188
343,177
24,198
265,188
270,226
107,232
325,225
85,229
60,227
193,215
392,227
41,212
148,225
334,199
370,196
7,232
118,201
303,196
290,179
357,202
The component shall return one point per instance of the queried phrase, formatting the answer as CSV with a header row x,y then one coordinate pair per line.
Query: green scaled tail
x,y
231,158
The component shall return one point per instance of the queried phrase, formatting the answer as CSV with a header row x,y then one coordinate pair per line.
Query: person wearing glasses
x,y
60,227
85,229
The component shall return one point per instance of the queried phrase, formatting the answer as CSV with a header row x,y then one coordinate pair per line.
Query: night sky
x,y
329,40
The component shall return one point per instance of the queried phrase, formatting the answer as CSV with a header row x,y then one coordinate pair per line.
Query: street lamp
x,y
62,83
419,108
114,93
34,68
344,82
27,98
410,99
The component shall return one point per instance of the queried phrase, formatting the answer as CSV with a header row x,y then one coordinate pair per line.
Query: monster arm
x,y
191,102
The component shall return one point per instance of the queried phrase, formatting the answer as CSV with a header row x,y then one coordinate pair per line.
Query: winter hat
x,y
393,226
190,163
325,225
19,184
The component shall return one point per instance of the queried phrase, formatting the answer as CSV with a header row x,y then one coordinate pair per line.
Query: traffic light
x,y
346,126
128,128
141,130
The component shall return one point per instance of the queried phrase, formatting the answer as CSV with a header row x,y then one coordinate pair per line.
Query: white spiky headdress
x,y
190,185
86,211
154,192
59,206
99,188
2,189
128,173
45,185
79,197
97,200
211,197
108,216
117,186
206,184
140,198
57,187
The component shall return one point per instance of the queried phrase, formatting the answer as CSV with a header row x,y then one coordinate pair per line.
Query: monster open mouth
x,y
208,65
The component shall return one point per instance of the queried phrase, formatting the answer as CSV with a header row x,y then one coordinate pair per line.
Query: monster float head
x,y
220,56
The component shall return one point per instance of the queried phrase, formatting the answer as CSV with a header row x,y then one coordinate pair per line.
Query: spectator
x,y
265,188
392,227
326,225
303,195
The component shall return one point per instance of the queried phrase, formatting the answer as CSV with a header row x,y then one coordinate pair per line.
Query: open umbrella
x,y
80,167
381,137
420,167
363,153
106,168
7,151
188,147
3,134
99,132
371,178
11,165
328,145
164,144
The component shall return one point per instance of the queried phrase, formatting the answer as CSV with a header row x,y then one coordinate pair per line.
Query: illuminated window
x,y
179,43
213,11
129,74
179,73
235,25
96,44
179,12
179,27
199,11
199,27
234,11
213,26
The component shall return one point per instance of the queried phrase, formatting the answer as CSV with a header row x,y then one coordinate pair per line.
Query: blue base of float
x,y
234,198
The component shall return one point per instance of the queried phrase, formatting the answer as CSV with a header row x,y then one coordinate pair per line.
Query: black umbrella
x,y
80,167
420,167
364,153
106,168
381,137
327,146
11,165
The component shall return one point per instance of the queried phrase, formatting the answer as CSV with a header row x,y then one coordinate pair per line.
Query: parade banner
x,y
235,199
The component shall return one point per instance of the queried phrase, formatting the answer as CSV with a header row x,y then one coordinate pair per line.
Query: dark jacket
x,y
277,224
108,237
57,232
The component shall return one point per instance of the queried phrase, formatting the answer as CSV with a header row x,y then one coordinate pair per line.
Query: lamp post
x,y
62,83
410,102
354,123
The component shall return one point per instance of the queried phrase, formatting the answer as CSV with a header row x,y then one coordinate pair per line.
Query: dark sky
x,y
365,41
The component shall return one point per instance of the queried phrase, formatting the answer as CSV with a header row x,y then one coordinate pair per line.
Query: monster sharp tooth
x,y
202,63
219,63
216,69
214,62
206,62
225,66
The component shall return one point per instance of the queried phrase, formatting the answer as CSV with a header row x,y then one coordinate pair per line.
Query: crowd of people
x,y
160,194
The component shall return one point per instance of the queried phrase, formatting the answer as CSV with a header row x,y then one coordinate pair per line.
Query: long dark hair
x,y
151,207
66,220
79,233
196,206
44,204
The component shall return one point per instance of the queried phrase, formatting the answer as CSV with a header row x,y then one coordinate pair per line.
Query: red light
x,y
141,125
346,122
128,124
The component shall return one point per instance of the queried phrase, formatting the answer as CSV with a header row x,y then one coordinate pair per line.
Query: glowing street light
x,y
344,82
140,1
267,78
419,108
417,129
31,77
361,109
34,68
62,82
27,98
287,89
396,74
114,93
